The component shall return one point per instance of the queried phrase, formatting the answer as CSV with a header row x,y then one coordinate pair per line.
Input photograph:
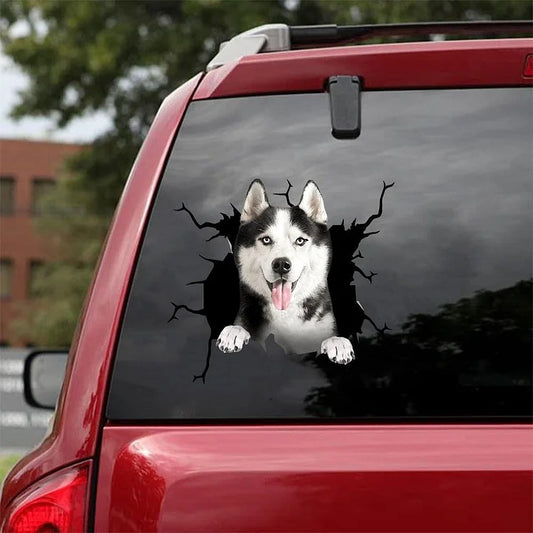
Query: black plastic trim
x,y
332,421
331,33
345,106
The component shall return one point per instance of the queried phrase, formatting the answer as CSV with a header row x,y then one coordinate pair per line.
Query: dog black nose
x,y
281,265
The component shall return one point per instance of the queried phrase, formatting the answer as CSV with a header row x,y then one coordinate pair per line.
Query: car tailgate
x,y
315,478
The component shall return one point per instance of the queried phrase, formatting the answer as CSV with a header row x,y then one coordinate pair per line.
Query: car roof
x,y
281,37
416,65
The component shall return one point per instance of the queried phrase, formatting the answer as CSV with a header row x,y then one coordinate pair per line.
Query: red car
x,y
394,181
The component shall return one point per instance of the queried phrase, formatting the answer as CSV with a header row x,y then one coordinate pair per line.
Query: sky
x,y
13,80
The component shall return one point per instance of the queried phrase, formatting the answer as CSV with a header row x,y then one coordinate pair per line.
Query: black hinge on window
x,y
345,106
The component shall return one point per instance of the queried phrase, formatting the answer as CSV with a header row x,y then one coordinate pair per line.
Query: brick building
x,y
28,169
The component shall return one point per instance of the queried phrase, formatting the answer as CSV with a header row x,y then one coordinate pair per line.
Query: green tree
x,y
123,58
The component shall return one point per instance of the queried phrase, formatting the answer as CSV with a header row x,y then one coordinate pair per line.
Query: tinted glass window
x,y
6,278
41,188
7,195
429,215
36,279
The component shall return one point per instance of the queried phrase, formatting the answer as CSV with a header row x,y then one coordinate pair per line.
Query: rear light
x,y
55,504
528,66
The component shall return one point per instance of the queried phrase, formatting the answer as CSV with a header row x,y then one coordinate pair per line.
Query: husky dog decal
x,y
286,302
283,256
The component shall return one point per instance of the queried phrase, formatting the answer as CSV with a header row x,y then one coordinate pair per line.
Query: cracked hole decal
x,y
290,278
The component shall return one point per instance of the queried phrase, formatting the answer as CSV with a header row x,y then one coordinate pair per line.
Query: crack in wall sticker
x,y
290,279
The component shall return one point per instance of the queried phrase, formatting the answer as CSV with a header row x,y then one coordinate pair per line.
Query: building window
x,y
40,189
6,278
7,195
36,277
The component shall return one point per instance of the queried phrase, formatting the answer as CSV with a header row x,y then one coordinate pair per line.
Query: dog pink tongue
x,y
281,294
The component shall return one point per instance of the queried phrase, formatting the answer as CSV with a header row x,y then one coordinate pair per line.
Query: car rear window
x,y
429,215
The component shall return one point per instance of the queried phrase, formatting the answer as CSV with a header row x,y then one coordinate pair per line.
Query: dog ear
x,y
312,203
256,202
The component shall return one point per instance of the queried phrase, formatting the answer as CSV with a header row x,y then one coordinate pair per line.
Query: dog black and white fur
x,y
283,257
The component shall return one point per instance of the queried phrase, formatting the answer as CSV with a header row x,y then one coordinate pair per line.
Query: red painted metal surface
x,y
316,478
80,410
401,66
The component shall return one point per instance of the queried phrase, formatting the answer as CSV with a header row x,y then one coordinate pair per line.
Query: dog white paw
x,y
338,349
232,339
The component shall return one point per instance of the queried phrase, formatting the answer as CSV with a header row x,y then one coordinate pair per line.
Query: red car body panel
x,y
299,478
385,66
315,478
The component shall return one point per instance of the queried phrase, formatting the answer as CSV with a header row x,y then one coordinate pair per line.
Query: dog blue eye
x,y
266,240
300,241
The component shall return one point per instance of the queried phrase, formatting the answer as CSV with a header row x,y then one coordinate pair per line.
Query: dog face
x,y
283,254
